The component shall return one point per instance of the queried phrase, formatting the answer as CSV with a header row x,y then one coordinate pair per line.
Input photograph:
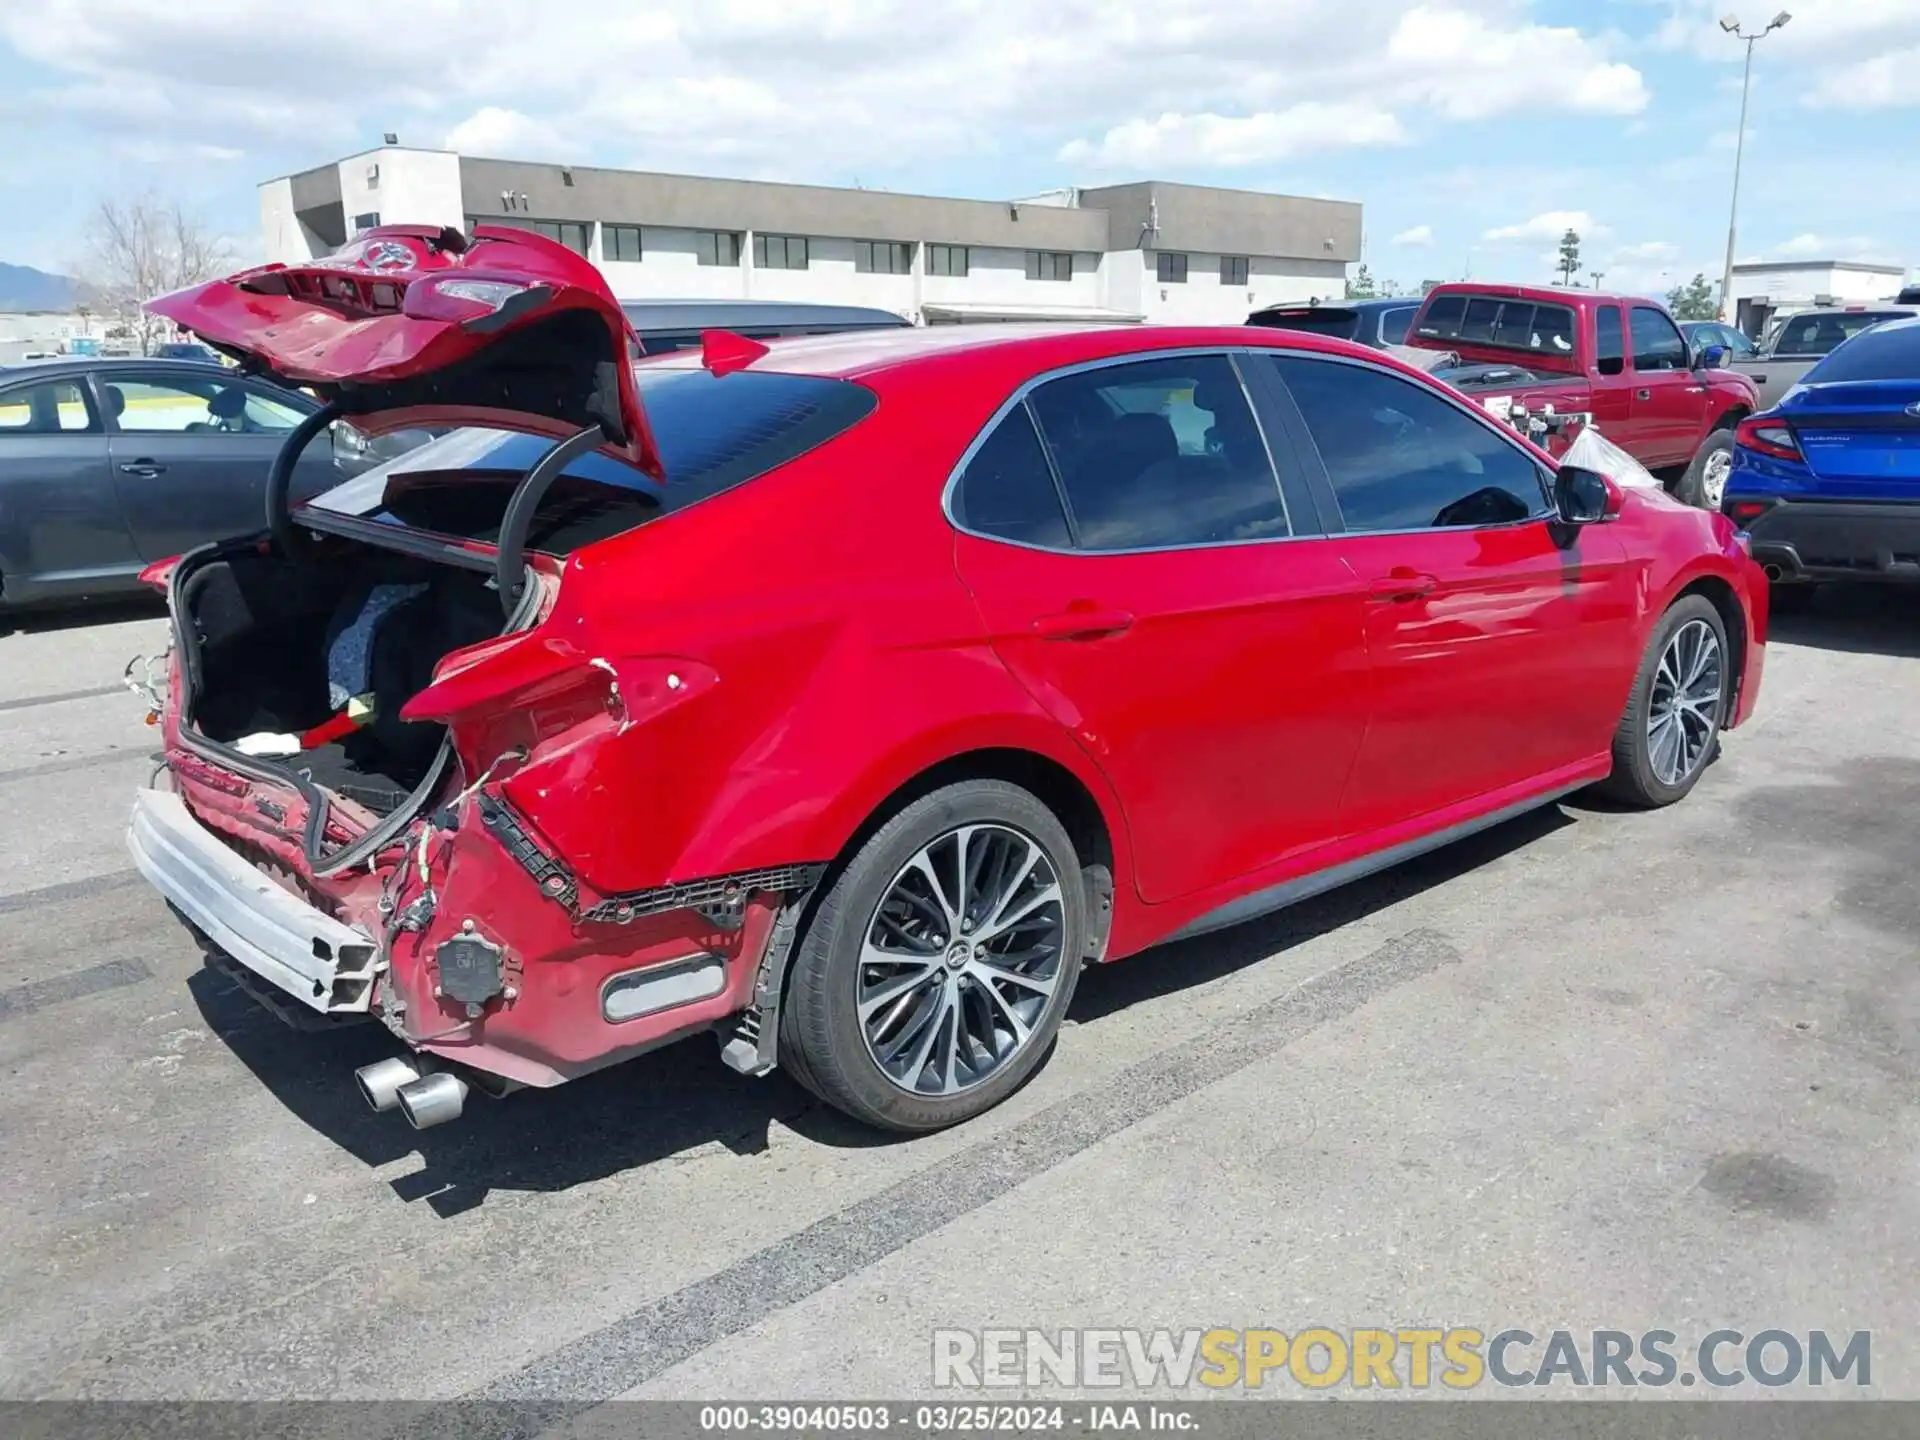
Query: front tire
x,y
1704,485
936,970
1671,728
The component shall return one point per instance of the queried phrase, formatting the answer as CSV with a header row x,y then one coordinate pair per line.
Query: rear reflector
x,y
1745,510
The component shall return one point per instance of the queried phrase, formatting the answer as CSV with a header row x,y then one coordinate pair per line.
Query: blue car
x,y
1827,483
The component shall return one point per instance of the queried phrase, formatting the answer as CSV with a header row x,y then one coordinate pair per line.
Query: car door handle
x,y
1402,585
1643,394
1082,624
146,469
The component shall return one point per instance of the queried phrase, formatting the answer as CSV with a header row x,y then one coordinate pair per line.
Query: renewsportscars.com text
x,y
1411,1357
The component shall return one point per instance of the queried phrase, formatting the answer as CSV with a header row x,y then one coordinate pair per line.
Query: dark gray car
x,y
109,465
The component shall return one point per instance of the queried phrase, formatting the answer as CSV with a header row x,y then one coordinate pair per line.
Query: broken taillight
x,y
159,573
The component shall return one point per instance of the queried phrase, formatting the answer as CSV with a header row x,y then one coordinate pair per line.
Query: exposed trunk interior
x,y
275,639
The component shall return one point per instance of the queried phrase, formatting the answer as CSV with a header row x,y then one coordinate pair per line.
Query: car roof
x,y
1332,307
692,314
1557,294
1043,346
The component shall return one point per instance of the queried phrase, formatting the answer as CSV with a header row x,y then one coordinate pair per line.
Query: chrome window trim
x,y
1135,357
1458,402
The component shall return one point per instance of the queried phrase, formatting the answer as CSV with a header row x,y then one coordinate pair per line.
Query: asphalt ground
x,y
1588,1070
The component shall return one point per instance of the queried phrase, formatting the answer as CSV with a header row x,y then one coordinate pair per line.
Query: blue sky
x,y
1474,131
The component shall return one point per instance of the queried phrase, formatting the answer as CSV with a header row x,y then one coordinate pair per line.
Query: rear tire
x,y
986,967
1670,732
1704,485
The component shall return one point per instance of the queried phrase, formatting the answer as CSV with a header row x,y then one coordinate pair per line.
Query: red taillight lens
x,y
469,300
159,573
1742,511
1767,436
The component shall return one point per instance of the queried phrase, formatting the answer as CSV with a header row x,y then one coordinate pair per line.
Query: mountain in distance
x,y
24,288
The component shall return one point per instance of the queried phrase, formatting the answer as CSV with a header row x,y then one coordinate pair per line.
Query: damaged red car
x,y
845,697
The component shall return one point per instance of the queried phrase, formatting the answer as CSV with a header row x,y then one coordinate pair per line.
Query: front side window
x,y
153,406
1656,341
1049,265
50,409
1400,457
1172,269
1609,339
780,252
1161,452
947,260
620,242
1007,489
882,257
1233,270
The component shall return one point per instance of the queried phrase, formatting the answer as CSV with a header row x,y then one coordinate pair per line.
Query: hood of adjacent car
x,y
409,326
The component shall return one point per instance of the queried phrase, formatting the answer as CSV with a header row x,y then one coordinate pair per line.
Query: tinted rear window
x,y
1824,332
1889,353
1330,320
714,432
1503,324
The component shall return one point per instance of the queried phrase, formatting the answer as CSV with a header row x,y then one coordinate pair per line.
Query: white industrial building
x,y
1762,290
1149,251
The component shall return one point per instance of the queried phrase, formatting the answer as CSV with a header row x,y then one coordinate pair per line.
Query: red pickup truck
x,y
1618,359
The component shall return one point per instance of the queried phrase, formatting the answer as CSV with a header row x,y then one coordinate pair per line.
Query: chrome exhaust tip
x,y
432,1099
380,1082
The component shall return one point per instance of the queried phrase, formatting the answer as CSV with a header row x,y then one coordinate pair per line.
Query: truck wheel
x,y
934,975
1704,485
1671,728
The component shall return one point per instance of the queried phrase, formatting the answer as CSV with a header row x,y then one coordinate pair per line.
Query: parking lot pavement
x,y
1588,1070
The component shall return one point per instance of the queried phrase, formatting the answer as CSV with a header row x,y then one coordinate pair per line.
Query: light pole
x,y
1731,24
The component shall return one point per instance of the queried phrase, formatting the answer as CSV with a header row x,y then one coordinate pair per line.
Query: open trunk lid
x,y
412,327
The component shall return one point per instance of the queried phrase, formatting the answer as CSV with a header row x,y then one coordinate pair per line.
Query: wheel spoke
x,y
939,1011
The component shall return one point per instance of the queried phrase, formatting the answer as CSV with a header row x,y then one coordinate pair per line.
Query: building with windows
x,y
1149,251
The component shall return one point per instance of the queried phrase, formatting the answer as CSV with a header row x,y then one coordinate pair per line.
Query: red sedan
x,y
845,698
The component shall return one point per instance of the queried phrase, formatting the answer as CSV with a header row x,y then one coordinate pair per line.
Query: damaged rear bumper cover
x,y
325,965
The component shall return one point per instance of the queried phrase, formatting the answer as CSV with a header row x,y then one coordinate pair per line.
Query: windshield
x,y
713,432
1822,332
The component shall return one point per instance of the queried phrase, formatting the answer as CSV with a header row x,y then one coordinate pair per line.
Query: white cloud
x,y
1845,54
1421,235
506,135
1550,226
1811,246
1645,250
1230,141
1876,84
1469,66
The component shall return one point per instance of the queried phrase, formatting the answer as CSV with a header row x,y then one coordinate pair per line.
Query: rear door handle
x,y
1402,585
146,469
1082,624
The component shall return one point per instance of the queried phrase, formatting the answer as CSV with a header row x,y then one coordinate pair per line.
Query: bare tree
x,y
137,249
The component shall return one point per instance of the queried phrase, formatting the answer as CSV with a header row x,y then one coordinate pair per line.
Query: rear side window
x,y
1610,343
1402,458
45,409
1159,453
1393,325
1007,489
713,431
1891,352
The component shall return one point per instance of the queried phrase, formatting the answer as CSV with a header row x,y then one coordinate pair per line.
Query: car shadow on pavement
x,y
1856,619
677,1104
35,620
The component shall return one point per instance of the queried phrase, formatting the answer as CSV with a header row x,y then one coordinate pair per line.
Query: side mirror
x,y
1713,357
1584,497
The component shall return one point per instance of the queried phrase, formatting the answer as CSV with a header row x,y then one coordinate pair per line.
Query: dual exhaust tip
x,y
426,1097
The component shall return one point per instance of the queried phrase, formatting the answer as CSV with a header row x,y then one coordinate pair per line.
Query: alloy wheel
x,y
1713,478
960,959
1685,709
